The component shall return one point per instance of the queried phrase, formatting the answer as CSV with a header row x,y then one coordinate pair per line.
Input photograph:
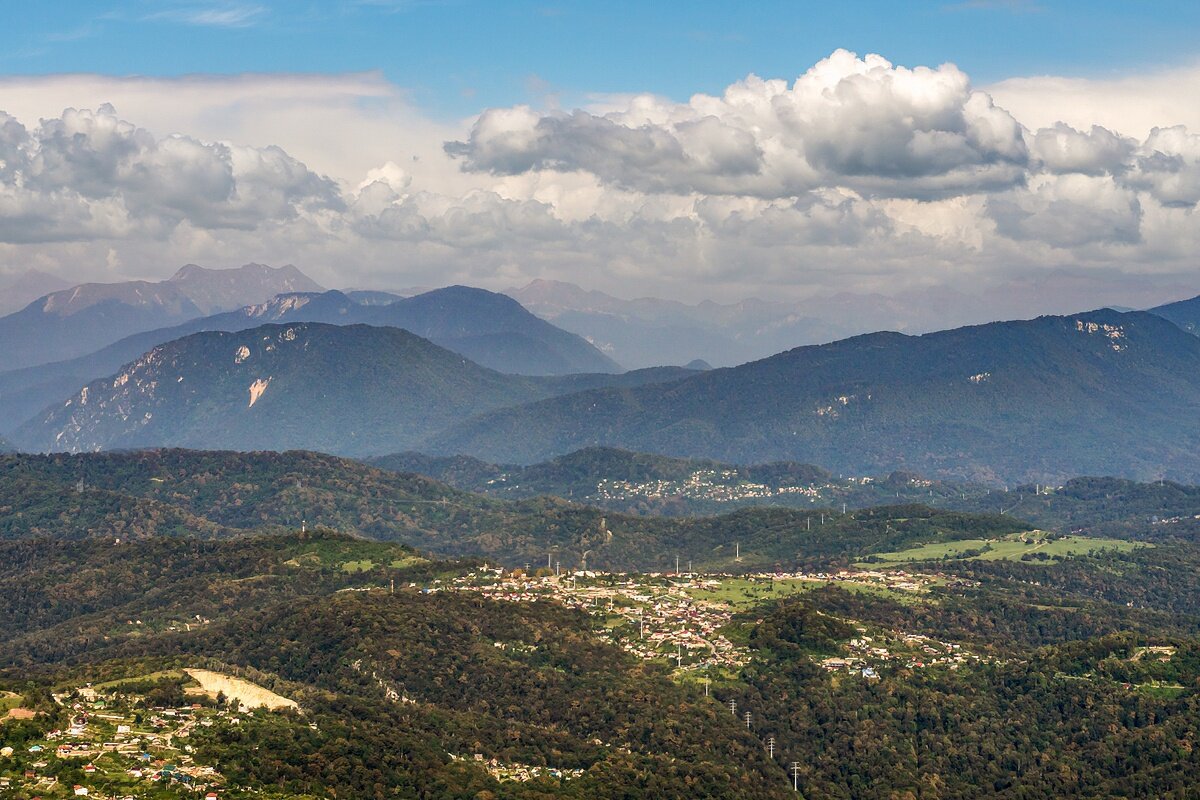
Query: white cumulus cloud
x,y
859,175
857,122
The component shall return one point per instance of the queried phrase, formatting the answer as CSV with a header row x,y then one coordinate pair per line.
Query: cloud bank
x,y
859,175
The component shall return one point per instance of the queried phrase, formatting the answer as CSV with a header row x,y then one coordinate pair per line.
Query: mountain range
x,y
490,329
1103,392
1099,393
650,330
76,321
352,389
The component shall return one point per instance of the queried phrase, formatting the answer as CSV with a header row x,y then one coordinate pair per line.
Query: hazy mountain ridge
x,y
651,330
1094,393
349,389
1102,392
343,389
216,290
490,329
72,322
1184,313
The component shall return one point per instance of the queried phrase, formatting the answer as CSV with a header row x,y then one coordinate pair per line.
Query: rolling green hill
x,y
644,483
419,676
444,693
397,692
135,495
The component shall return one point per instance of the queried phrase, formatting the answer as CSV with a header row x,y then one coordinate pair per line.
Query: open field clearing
x,y
1011,548
244,692
10,705
743,593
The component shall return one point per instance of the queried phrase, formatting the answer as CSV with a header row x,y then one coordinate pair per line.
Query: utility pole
x,y
677,565
737,551
796,776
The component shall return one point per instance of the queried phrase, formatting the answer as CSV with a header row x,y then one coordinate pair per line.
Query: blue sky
x,y
458,56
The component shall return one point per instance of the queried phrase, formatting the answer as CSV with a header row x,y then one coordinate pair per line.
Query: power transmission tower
x,y
796,776
733,707
771,747
746,716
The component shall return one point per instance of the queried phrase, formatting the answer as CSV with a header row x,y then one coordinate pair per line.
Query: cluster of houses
x,y
867,654
720,486
680,627
113,743
656,616
502,771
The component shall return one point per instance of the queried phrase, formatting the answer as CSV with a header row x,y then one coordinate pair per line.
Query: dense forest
x,y
1012,666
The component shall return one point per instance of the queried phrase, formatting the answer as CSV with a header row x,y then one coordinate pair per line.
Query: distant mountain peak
x,y
214,290
193,271
63,324
351,388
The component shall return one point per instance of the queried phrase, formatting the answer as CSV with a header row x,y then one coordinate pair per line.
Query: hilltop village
x,y
688,619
